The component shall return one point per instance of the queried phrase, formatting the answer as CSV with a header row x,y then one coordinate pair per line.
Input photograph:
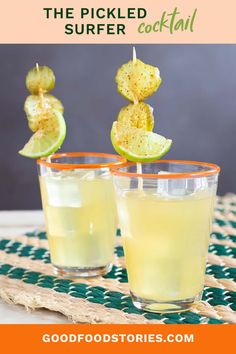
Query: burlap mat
x,y
26,278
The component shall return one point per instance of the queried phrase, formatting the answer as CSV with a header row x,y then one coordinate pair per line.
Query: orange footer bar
x,y
116,339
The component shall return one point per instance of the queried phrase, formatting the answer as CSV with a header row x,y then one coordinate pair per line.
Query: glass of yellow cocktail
x,y
165,211
80,212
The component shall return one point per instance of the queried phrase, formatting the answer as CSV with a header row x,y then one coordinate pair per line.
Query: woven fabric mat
x,y
26,278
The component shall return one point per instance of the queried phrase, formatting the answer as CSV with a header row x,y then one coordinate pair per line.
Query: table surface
x,y
13,223
218,300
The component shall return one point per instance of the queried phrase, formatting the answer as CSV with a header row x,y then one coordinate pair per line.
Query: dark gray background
x,y
195,105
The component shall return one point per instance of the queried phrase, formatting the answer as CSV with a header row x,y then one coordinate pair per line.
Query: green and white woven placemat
x,y
26,278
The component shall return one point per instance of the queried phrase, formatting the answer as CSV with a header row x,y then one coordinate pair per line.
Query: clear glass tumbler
x,y
80,213
165,210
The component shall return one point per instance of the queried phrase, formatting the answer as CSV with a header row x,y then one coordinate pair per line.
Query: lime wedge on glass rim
x,y
49,136
138,145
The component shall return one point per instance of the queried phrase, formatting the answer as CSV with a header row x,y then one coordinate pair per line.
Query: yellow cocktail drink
x,y
80,211
165,242
80,220
164,206
165,211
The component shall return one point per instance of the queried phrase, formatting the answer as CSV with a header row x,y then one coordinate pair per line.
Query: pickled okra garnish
x,y
131,134
138,115
40,78
137,81
37,106
44,113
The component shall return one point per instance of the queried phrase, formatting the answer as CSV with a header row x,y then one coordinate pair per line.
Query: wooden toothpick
x,y
134,62
138,164
134,56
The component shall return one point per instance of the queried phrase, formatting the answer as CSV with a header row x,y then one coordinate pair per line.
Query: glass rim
x,y
215,169
72,166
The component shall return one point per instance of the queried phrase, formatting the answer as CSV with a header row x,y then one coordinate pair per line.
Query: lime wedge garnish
x,y
137,81
138,145
36,106
137,116
49,136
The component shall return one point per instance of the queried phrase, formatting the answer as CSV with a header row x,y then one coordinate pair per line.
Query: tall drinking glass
x,y
80,212
165,214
